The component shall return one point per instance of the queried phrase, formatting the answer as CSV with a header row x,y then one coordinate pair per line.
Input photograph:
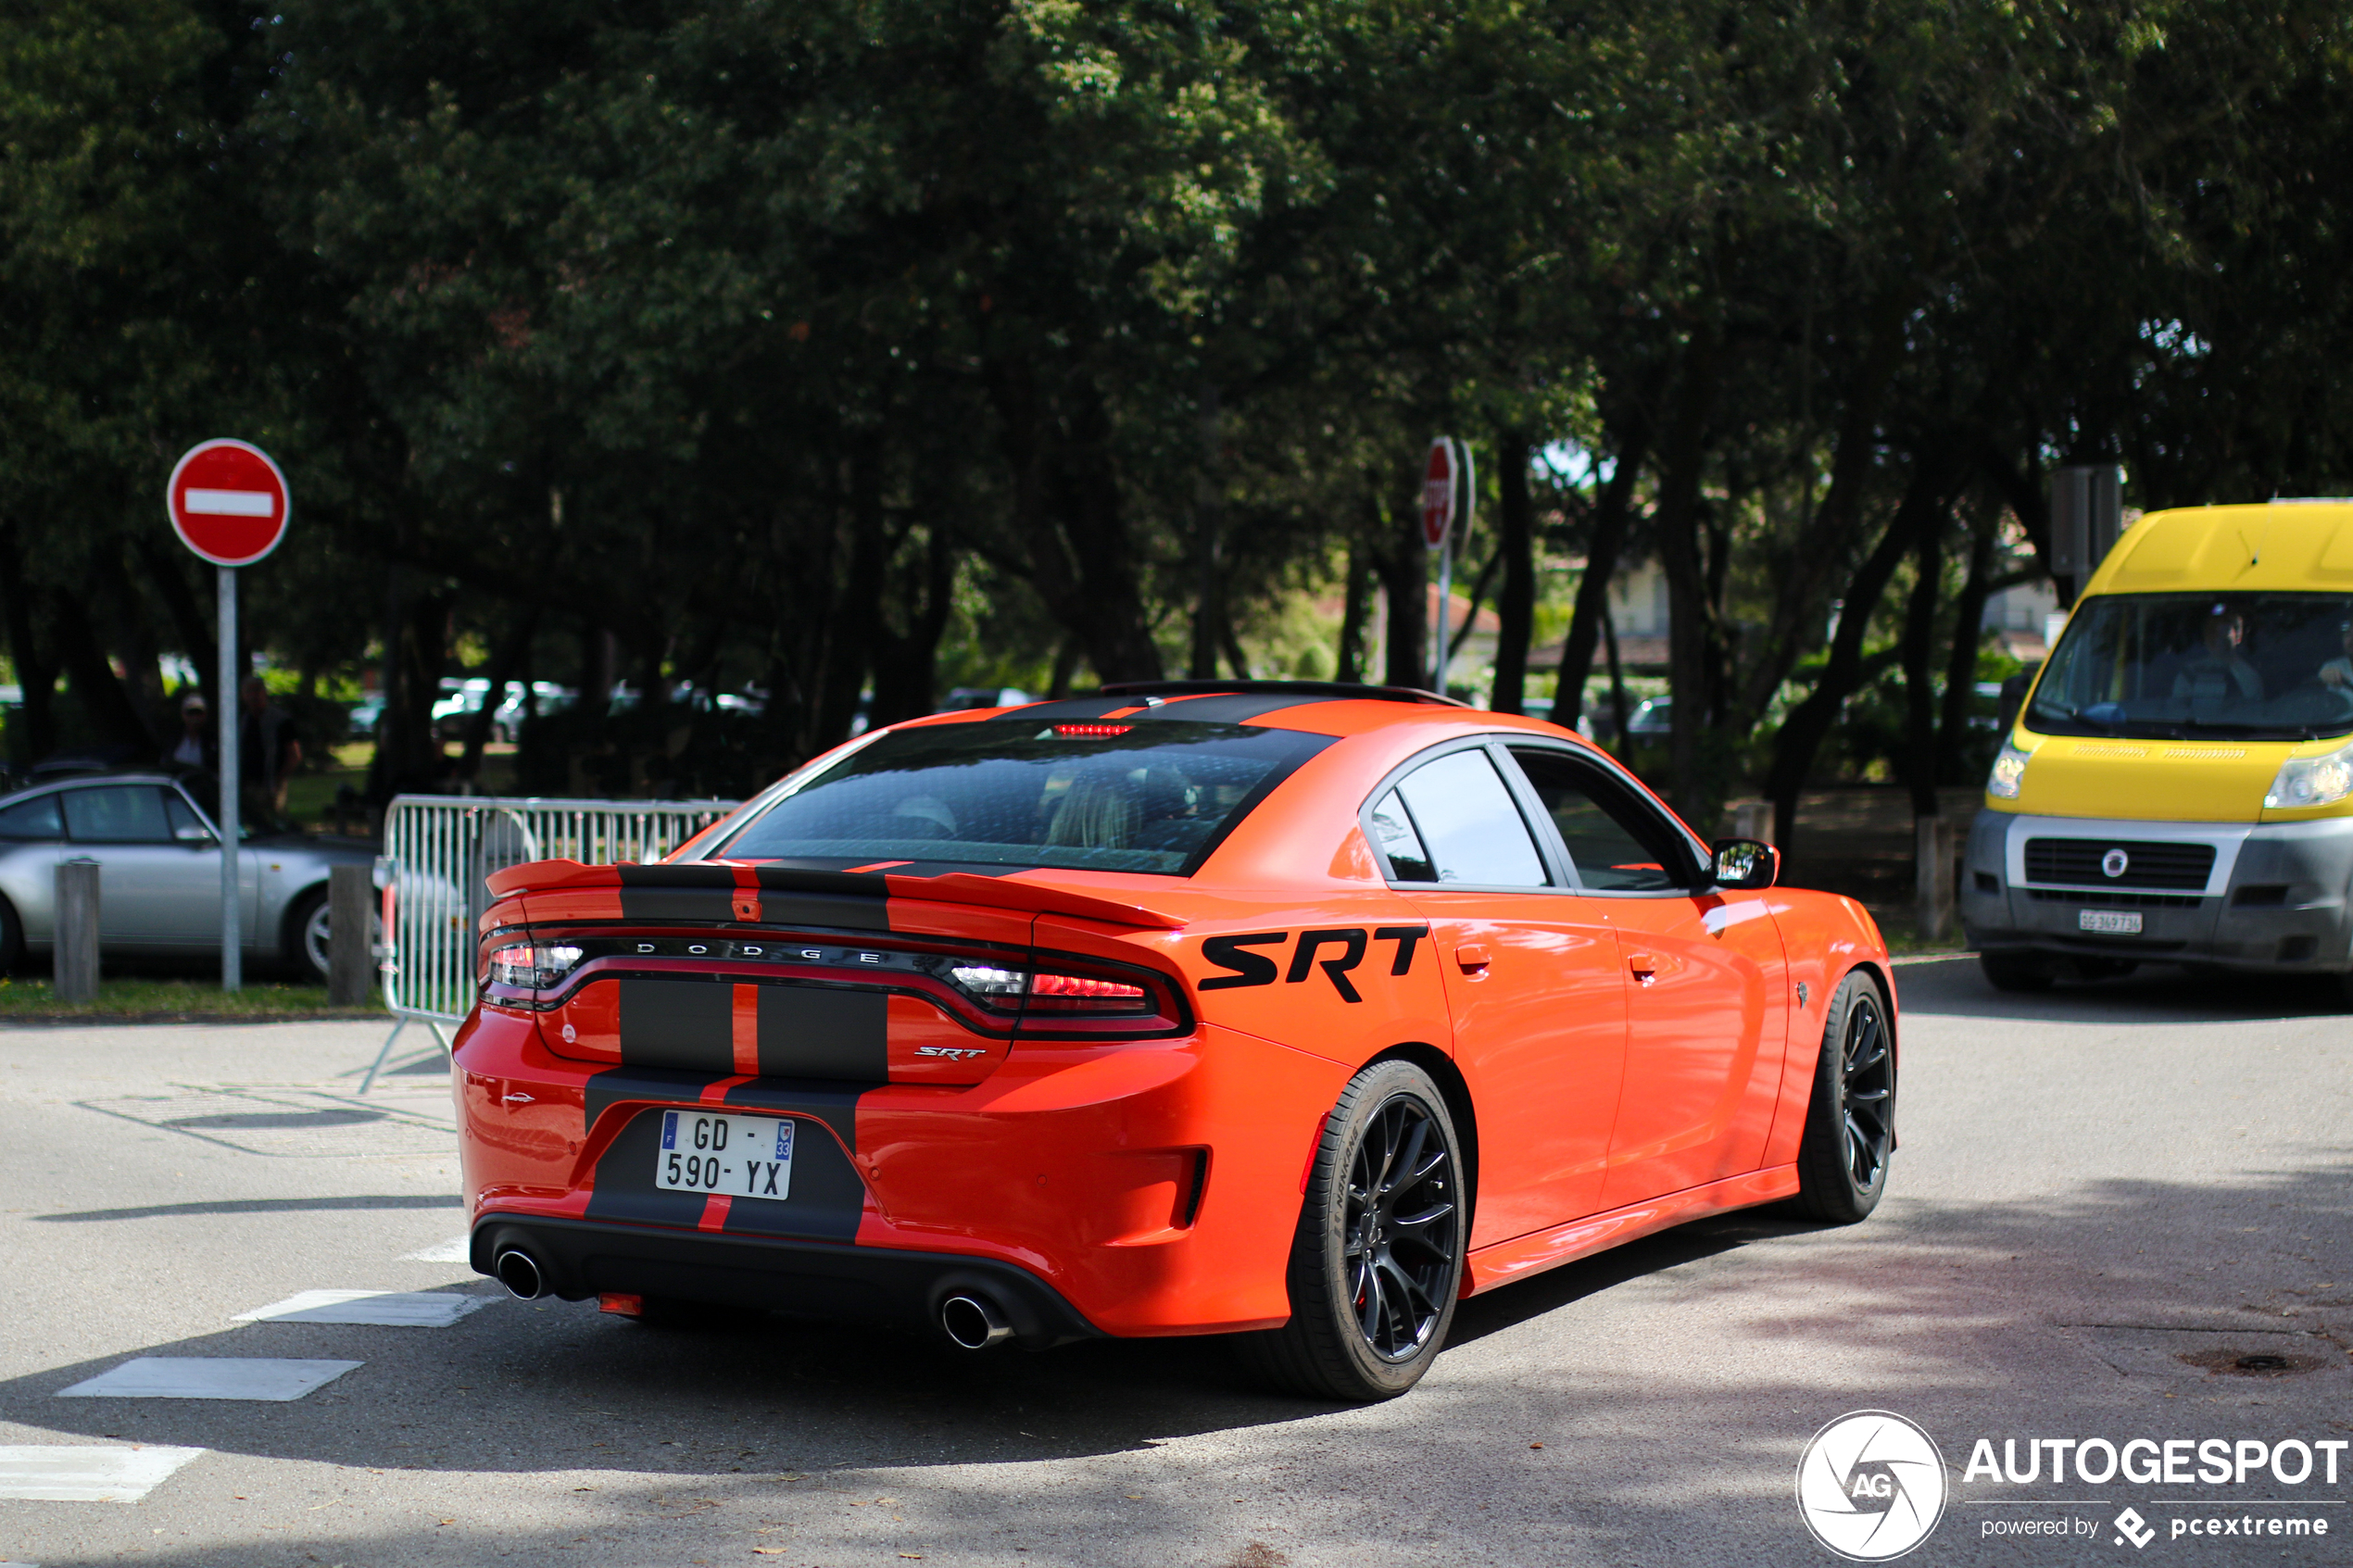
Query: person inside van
x,y
2217,671
2337,673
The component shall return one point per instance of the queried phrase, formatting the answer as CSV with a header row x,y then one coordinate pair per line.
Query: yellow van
x,y
2179,785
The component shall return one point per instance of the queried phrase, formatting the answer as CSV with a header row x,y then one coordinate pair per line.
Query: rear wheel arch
x,y
1459,1107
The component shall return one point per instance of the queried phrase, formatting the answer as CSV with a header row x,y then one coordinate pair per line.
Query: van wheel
x,y
2016,972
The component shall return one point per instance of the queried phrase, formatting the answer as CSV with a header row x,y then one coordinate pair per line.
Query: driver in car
x,y
2218,671
2337,673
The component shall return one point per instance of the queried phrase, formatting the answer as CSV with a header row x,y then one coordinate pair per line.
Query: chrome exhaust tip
x,y
973,1322
519,1272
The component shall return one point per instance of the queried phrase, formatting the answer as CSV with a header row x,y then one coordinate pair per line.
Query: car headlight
x,y
2009,771
2313,781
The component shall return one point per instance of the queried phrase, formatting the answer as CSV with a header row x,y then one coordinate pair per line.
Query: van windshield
x,y
1151,796
2249,666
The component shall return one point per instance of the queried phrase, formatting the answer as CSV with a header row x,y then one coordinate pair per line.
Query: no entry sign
x,y
228,502
1438,493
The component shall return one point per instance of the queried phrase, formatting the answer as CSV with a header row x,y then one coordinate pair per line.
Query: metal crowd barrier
x,y
439,850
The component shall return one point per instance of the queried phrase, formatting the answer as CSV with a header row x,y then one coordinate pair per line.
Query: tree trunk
x,y
1515,607
1678,533
509,653
1404,570
1208,525
907,665
101,695
1960,668
1613,514
1802,732
850,633
35,675
1355,610
1919,695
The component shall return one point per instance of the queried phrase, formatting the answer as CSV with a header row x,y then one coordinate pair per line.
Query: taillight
x,y
529,967
1079,993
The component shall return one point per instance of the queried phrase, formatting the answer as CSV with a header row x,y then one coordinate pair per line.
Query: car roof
x,y
77,781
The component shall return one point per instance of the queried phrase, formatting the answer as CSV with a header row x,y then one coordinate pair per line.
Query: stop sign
x,y
1438,493
228,502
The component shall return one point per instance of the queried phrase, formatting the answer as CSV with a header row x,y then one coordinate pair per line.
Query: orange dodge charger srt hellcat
x,y
1291,1011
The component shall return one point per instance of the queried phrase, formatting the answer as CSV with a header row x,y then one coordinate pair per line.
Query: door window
x,y
1615,845
1465,819
35,819
117,814
186,826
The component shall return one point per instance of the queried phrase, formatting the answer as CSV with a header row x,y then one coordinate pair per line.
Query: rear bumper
x,y
1138,1189
2275,900
582,1258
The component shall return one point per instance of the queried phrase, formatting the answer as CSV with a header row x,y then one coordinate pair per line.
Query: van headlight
x,y
2313,781
2009,771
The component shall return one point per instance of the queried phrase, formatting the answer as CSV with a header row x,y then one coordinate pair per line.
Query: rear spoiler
x,y
954,887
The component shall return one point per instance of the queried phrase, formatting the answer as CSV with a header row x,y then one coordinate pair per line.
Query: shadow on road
x,y
2154,993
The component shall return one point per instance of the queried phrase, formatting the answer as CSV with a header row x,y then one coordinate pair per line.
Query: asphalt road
x,y
2103,1195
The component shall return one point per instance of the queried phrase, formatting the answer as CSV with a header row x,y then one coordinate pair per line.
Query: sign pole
x,y
232,957
1458,526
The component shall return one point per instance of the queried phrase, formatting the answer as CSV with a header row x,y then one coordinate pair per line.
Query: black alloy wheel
x,y
1377,1260
1850,1123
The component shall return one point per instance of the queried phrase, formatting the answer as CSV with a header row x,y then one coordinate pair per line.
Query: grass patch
x,y
162,1001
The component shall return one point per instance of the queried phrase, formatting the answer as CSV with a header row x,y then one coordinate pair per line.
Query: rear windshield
x,y
1151,797
2253,666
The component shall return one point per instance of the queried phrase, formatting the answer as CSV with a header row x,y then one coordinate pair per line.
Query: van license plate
x,y
734,1156
2120,923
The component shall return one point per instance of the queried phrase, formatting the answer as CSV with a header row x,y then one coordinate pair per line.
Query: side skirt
x,y
1502,1262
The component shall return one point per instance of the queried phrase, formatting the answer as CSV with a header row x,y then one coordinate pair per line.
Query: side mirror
x,y
1746,864
191,835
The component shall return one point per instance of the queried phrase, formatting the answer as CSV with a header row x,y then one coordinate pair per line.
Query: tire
x,y
1372,1295
307,936
1850,1121
11,939
2016,972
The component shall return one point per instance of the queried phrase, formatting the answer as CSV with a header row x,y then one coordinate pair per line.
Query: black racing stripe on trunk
x,y
616,1083
825,910
834,1104
1073,710
670,906
1228,709
686,1025
797,879
823,1032
826,1202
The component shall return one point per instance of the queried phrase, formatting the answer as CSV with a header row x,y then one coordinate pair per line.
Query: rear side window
x,y
1155,795
1614,844
35,819
117,814
1466,820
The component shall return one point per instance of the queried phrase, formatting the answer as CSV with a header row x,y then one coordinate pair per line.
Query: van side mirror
x,y
1746,864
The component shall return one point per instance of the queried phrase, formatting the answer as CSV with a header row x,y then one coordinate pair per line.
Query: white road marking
x,y
61,1474
389,1308
457,1250
209,1377
231,503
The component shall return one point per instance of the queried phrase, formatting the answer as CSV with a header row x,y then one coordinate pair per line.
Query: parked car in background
x,y
983,697
159,854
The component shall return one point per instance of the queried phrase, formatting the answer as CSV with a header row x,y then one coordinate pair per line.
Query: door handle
x,y
1643,965
1472,958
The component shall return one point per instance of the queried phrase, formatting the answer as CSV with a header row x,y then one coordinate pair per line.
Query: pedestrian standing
x,y
269,750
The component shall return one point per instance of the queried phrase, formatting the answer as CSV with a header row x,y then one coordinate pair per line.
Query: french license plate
x,y
2120,923
738,1156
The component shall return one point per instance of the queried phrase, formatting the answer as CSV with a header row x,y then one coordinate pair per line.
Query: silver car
x,y
160,881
